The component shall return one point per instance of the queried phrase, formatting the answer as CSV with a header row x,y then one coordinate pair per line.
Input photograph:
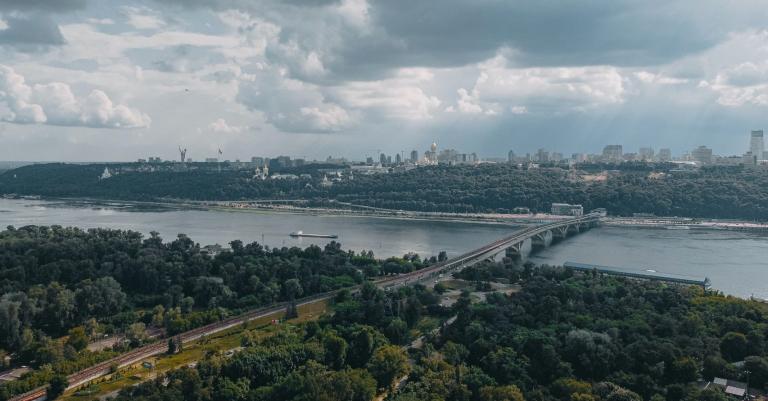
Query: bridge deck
x,y
639,273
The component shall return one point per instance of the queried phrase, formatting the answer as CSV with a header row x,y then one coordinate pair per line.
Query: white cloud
x,y
55,104
661,79
355,12
468,102
100,21
556,88
400,97
142,18
325,117
518,110
742,84
221,125
292,105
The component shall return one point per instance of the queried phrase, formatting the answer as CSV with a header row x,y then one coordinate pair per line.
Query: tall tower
x,y
756,145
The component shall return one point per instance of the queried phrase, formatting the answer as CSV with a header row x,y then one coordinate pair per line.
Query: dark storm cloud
x,y
539,33
243,4
31,32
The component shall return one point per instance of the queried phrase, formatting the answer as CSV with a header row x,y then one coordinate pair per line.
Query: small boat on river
x,y
300,234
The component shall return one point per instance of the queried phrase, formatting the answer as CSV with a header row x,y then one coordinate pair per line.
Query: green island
x,y
495,331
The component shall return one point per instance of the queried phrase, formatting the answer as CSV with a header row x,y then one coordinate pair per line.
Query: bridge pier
x,y
574,229
559,233
542,240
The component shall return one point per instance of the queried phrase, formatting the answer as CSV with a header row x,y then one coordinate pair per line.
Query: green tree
x,y
684,370
734,346
503,393
388,363
335,351
397,331
56,387
77,338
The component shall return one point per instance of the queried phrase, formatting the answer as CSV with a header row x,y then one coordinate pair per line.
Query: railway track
x,y
161,346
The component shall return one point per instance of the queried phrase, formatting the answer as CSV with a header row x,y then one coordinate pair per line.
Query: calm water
x,y
385,237
735,262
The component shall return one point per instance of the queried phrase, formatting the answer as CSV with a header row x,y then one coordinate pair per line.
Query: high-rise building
x,y
749,159
383,159
702,154
257,161
542,156
646,154
414,156
665,155
369,161
511,156
556,156
613,153
398,159
579,157
280,162
756,145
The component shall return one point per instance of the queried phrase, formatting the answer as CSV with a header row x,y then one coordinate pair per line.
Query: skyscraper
x,y
646,154
702,154
756,146
414,156
511,156
613,153
542,156
665,155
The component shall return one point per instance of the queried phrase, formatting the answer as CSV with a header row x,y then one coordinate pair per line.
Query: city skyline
x,y
434,154
119,78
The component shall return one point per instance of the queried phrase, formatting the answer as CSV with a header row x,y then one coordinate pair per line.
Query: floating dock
x,y
643,274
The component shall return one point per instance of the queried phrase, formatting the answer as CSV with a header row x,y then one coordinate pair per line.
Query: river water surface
x,y
735,262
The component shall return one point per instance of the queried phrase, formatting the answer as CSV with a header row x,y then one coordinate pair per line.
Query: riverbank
x,y
288,206
679,223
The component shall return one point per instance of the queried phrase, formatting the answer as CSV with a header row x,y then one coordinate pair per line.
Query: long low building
x,y
646,274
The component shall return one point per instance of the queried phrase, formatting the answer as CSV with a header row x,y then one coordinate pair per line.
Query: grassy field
x,y
191,353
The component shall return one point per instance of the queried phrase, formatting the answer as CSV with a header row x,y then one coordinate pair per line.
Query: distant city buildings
x,y
402,161
756,145
665,155
542,156
646,154
613,153
702,155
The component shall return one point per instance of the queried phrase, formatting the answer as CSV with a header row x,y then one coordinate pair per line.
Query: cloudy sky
x,y
117,80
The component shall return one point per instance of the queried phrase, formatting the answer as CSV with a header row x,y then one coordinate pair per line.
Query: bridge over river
x,y
535,236
514,246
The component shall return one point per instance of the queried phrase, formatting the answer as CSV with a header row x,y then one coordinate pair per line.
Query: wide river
x,y
735,262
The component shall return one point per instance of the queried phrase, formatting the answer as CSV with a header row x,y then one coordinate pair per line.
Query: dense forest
x,y
716,192
57,282
562,337
349,356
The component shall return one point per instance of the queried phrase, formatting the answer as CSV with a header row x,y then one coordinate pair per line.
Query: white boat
x,y
678,227
298,234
